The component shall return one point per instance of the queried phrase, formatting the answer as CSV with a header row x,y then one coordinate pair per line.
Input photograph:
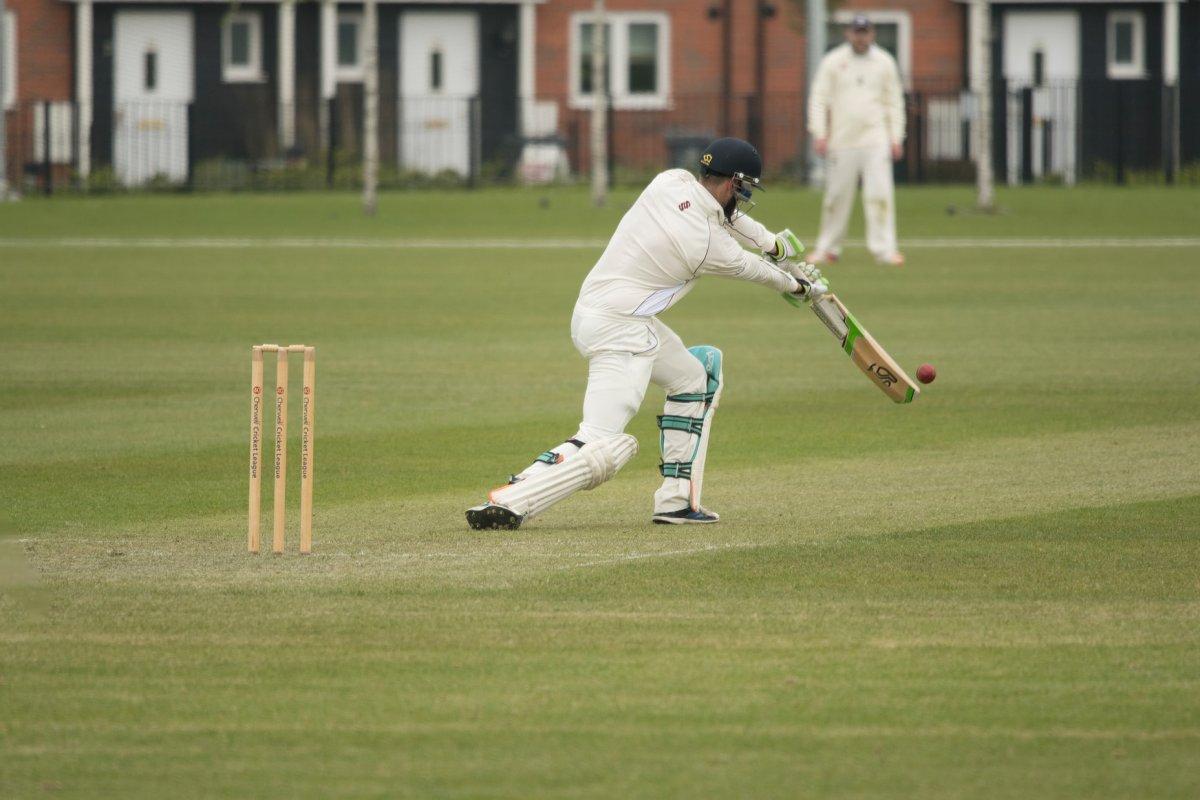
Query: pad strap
x,y
676,469
706,397
549,457
670,422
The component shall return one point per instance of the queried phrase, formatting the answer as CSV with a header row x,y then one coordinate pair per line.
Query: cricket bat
x,y
862,348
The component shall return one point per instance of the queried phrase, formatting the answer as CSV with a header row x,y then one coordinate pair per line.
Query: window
x,y
150,71
1126,45
349,47
60,115
8,92
241,47
435,71
643,58
893,32
586,31
637,51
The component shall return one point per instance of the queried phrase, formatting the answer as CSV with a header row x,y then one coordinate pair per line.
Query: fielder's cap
x,y
860,23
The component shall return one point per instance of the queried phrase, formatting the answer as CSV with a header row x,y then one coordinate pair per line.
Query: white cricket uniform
x,y
857,103
675,232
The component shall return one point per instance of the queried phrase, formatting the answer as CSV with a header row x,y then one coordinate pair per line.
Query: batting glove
x,y
802,270
787,246
808,292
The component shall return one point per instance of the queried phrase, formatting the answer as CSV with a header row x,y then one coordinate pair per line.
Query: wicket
x,y
307,410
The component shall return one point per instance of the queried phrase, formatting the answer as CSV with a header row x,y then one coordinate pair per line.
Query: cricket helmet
x,y
737,159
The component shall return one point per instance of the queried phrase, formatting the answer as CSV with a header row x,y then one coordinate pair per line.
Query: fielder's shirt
x,y
675,232
856,100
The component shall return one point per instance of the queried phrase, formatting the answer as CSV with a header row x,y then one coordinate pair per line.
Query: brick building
x,y
38,63
692,69
151,91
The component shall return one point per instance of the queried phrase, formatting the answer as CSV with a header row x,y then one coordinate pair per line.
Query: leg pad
x,y
670,422
676,469
595,463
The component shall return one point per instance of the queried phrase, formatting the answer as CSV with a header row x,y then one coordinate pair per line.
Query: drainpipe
x,y
370,107
814,51
83,84
3,98
287,75
599,106
328,48
527,64
1170,71
726,64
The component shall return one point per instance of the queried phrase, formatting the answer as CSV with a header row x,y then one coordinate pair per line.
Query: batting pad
x,y
686,423
595,463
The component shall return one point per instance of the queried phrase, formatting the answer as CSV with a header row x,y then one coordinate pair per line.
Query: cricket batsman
x,y
681,228
856,119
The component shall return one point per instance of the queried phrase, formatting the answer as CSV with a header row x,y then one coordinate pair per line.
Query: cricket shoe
x,y
490,516
686,516
894,260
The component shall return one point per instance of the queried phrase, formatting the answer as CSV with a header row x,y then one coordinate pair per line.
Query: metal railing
x,y
1055,132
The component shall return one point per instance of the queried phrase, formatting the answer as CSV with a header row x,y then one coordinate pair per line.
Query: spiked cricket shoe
x,y
490,516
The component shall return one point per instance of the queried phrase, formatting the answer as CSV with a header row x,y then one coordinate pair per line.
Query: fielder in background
x,y
856,119
680,228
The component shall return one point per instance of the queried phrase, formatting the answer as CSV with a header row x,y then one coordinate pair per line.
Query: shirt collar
x,y
706,197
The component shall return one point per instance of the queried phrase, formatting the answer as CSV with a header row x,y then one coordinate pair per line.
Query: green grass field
x,y
992,592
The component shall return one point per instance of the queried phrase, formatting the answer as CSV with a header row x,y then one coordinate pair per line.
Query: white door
x,y
1041,53
152,62
439,85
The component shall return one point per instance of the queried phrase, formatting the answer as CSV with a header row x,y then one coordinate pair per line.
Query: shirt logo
x,y
685,205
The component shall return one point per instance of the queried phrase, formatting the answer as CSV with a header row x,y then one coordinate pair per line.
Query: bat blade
x,y
864,351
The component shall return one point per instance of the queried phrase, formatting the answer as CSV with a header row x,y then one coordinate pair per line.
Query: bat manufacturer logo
x,y
685,205
885,375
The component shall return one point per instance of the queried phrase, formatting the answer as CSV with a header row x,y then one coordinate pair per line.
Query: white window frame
x,y
622,99
9,90
242,73
357,72
889,16
1137,68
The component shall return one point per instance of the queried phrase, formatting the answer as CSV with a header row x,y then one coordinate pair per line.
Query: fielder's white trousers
x,y
843,169
624,356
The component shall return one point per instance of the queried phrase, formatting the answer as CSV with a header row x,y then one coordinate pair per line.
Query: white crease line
x,y
220,243
627,557
1068,242
224,243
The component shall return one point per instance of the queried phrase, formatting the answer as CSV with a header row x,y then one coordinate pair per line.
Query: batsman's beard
x,y
731,207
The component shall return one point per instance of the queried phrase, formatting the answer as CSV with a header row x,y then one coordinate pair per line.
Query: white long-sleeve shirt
x,y
675,232
856,100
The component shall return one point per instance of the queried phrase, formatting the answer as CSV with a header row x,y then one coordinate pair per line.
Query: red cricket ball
x,y
926,373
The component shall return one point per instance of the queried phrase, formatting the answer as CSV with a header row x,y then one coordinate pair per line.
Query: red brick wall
x,y
45,57
938,38
937,42
45,49
696,41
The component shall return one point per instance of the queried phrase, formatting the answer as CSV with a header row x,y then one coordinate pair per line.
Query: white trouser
x,y
624,356
843,168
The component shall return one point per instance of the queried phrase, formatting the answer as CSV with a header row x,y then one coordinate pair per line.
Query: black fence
x,y
1066,132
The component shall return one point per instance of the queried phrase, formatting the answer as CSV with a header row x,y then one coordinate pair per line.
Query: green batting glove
x,y
787,246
